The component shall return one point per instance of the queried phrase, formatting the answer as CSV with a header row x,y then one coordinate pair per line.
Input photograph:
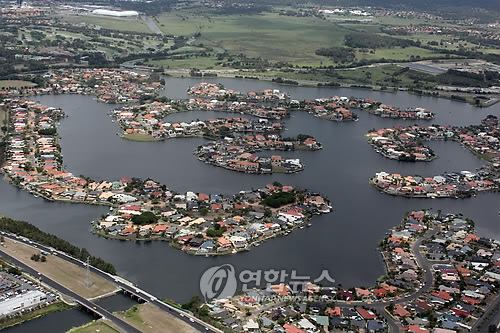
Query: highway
x,y
121,282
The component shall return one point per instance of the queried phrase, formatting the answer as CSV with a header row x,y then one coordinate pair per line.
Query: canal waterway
x,y
55,322
343,242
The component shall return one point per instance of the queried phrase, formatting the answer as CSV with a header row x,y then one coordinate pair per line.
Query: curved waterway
x,y
344,242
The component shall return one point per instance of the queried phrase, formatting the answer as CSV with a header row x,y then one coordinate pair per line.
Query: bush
x,y
337,54
373,41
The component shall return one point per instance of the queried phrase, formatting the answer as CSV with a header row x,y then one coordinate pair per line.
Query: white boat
x,y
111,208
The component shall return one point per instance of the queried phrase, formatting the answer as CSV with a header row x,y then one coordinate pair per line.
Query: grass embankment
x,y
101,326
139,137
149,318
3,116
60,306
15,84
63,272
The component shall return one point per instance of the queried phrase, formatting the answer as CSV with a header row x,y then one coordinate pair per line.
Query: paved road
x,y
126,286
151,25
494,311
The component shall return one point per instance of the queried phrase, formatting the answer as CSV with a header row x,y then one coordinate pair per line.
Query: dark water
x,y
117,302
59,322
344,242
55,322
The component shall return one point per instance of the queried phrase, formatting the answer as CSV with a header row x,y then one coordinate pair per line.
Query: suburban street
x,y
428,281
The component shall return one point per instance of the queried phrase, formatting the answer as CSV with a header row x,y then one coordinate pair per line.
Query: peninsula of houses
x,y
235,139
198,223
439,278
406,144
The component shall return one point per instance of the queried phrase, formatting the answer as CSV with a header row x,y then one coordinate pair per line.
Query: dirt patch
x,y
149,318
63,272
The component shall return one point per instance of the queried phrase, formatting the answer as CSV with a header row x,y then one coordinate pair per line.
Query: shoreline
x,y
190,251
309,83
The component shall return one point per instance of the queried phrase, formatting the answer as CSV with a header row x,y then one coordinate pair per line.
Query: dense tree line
x,y
47,131
468,79
28,230
337,54
365,40
284,81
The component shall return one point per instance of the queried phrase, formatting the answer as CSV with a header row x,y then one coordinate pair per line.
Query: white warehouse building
x,y
24,301
116,13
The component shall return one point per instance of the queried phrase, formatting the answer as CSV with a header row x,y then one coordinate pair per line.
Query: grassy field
x,y
139,137
149,318
273,37
197,62
398,53
101,326
388,75
60,306
15,84
60,270
120,24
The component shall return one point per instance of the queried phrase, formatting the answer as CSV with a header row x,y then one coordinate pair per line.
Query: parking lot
x,y
18,294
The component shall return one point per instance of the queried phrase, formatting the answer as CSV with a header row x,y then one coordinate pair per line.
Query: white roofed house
x,y
238,241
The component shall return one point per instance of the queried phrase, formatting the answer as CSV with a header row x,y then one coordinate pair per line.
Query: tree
x,y
14,270
43,259
144,218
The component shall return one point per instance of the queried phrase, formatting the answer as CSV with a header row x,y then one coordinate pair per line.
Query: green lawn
x,y
15,84
139,137
398,53
270,36
386,75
